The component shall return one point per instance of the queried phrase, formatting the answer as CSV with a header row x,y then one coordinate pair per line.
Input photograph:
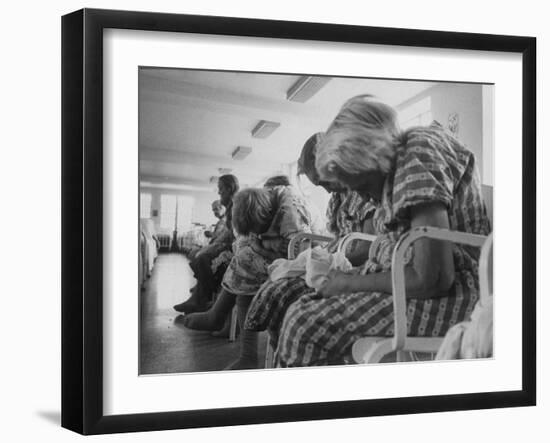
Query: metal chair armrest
x,y
347,239
300,237
398,270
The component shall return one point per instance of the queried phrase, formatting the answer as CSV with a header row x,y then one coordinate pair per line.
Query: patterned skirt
x,y
247,270
313,331
269,306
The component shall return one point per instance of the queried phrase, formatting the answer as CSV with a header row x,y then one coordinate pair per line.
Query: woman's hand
x,y
335,283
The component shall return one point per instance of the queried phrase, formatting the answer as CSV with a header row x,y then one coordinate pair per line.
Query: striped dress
x,y
430,166
346,212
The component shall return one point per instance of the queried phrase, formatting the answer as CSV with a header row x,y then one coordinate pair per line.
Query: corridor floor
x,y
166,346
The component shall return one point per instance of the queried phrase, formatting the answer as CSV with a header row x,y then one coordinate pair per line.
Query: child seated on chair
x,y
264,220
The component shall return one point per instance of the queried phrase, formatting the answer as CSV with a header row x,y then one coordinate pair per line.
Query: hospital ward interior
x,y
298,220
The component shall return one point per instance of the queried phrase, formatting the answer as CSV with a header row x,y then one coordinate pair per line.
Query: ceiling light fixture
x,y
241,152
264,129
305,88
174,186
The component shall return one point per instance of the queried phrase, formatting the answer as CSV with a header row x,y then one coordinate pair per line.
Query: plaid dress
x,y
430,166
346,212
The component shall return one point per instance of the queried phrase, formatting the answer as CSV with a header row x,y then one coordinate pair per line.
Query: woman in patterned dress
x,y
265,220
420,177
347,212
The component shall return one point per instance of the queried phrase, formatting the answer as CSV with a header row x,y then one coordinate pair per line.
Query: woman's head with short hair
x,y
228,185
360,141
252,211
306,164
277,180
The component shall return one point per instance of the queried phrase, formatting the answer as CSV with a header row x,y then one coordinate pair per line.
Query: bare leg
x,y
213,319
203,290
248,358
224,331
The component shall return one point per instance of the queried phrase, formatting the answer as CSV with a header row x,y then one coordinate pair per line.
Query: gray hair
x,y
361,138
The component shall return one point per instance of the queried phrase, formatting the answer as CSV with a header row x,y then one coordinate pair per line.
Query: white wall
x,y
30,328
467,101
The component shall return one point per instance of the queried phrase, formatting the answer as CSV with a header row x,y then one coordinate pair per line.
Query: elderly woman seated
x,y
264,220
419,177
215,235
347,212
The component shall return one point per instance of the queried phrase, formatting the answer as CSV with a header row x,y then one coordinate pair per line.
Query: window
x,y
167,211
145,205
176,210
418,113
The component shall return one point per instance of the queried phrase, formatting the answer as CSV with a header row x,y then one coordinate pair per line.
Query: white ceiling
x,y
191,121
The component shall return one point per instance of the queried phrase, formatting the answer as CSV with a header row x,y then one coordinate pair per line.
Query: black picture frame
x,y
82,218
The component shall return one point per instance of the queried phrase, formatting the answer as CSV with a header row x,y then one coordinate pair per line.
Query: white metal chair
x,y
296,243
373,349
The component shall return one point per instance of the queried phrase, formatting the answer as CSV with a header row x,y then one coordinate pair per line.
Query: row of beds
x,y
151,243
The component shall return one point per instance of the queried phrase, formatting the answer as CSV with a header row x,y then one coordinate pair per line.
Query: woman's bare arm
x,y
360,248
430,273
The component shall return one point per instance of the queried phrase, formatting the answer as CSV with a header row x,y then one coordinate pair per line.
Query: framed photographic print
x,y
270,221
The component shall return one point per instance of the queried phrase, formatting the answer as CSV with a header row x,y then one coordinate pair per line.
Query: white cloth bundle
x,y
470,339
312,265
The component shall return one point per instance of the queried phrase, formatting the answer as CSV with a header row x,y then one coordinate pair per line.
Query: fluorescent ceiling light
x,y
264,129
175,187
241,152
305,88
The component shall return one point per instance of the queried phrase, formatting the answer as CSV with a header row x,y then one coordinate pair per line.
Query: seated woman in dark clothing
x,y
265,220
347,212
420,177
208,269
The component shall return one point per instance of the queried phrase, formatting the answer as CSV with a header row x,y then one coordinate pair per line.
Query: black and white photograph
x,y
273,222
295,220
